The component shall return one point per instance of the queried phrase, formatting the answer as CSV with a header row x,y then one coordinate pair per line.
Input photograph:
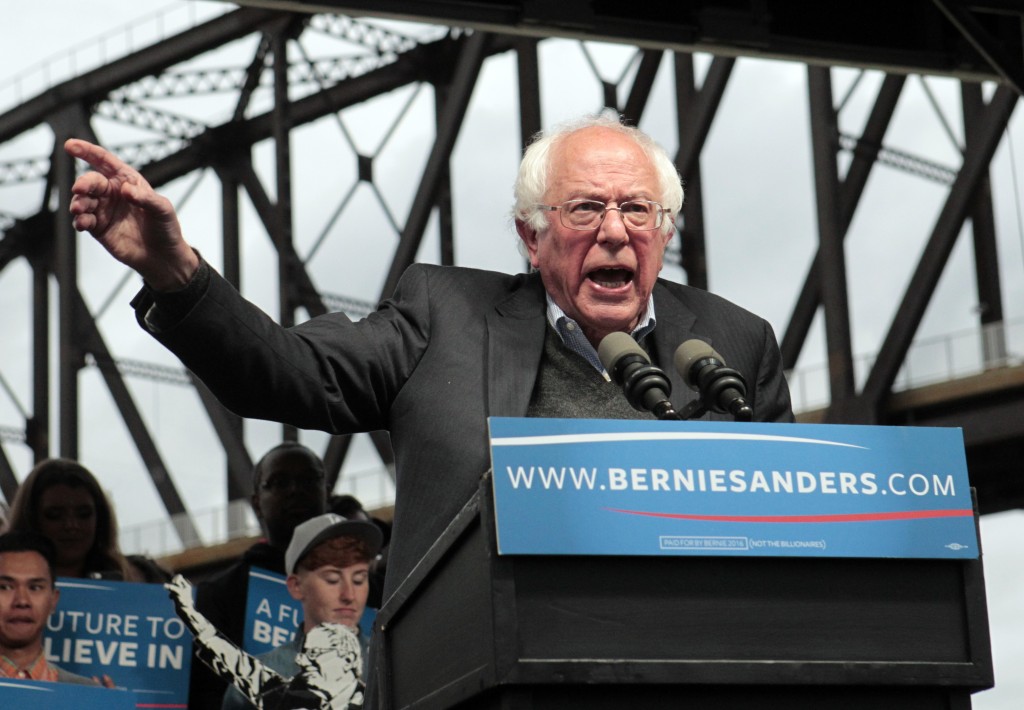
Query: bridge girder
x,y
452,65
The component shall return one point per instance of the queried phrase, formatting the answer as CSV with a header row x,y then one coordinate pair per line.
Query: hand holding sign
x,y
123,631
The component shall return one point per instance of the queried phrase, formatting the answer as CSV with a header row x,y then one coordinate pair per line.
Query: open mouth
x,y
611,278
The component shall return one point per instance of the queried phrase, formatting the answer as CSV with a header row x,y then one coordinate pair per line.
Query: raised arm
x,y
138,226
251,676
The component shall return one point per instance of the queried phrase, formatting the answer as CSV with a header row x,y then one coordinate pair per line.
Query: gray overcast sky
x,y
759,209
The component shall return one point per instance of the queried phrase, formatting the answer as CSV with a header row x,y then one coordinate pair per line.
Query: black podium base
x,y
674,697
474,629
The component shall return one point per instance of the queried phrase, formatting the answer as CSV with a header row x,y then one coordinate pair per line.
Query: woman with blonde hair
x,y
63,501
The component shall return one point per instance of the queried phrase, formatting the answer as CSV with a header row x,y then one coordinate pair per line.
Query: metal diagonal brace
x,y
308,296
849,196
1010,69
8,481
467,70
145,444
224,423
894,349
704,111
642,84
832,284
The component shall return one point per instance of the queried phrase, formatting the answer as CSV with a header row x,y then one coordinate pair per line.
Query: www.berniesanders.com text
x,y
720,480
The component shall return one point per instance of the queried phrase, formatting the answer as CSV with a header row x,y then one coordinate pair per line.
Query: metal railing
x,y
98,51
930,360
373,488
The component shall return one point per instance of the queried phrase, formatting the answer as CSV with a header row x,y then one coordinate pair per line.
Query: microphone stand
x,y
647,386
666,412
694,409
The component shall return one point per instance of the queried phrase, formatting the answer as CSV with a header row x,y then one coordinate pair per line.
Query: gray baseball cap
x,y
311,533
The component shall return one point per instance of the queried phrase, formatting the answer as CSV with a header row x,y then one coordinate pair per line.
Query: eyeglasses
x,y
588,214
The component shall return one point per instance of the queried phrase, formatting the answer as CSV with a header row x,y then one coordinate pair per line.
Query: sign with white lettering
x,y
272,616
36,695
126,630
613,487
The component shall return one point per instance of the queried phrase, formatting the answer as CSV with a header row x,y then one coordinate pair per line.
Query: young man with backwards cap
x,y
327,563
289,488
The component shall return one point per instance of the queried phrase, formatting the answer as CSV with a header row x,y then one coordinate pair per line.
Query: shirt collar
x,y
572,336
38,669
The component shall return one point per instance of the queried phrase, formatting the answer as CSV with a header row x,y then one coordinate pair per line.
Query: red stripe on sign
x,y
837,518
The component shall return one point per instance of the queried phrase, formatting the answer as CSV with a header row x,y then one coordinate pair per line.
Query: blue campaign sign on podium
x,y
613,487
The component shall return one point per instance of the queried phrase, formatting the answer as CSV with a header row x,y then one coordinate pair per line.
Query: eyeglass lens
x,y
587,214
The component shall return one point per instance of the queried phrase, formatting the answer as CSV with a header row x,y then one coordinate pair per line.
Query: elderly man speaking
x,y
595,207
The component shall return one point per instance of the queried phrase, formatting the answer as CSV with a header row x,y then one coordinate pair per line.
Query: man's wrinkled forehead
x,y
597,152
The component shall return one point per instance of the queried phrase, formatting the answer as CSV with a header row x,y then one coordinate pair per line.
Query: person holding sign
x,y
328,566
28,595
289,487
62,500
328,563
328,663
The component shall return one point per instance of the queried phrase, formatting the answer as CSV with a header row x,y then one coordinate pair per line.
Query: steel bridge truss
x,y
139,92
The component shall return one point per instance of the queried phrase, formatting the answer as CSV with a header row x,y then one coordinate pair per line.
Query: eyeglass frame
x,y
660,213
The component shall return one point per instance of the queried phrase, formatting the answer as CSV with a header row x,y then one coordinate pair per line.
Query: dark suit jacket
x,y
452,347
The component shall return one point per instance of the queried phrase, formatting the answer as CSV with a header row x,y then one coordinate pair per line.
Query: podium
x,y
470,628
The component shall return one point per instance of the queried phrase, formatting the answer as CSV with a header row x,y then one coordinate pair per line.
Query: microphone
x,y
646,387
721,388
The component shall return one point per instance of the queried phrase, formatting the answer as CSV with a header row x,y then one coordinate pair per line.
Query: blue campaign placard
x,y
613,487
272,615
126,630
36,695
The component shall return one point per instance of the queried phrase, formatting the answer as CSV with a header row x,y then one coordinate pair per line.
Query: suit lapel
x,y
515,343
676,323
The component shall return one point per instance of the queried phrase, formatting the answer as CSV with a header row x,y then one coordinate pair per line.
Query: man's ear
x,y
529,235
54,600
254,499
294,587
667,236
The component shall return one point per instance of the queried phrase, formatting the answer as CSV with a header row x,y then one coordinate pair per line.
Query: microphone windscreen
x,y
614,346
690,352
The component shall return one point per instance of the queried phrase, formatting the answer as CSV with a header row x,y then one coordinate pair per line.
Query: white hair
x,y
535,167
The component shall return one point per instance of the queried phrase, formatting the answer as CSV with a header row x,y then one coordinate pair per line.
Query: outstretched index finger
x,y
101,159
